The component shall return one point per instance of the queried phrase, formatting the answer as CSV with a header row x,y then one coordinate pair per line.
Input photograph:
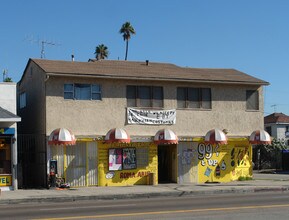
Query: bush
x,y
245,178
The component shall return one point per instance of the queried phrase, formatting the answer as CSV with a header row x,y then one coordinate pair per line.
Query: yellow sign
x,y
224,163
5,180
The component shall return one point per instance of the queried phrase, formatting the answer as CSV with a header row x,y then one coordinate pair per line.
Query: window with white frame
x,y
79,91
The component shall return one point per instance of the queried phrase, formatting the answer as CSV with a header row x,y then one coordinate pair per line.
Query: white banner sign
x,y
151,117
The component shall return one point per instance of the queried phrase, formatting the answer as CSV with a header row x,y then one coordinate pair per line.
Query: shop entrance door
x,y
167,163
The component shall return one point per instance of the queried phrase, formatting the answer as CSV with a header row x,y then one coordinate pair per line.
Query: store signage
x,y
7,131
110,175
5,181
126,175
151,117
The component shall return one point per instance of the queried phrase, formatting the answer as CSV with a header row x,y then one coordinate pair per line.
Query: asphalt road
x,y
257,206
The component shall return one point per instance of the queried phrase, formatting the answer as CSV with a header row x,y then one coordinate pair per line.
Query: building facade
x,y
143,98
8,134
277,125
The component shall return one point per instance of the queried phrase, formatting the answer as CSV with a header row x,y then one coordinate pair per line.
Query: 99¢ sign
x,y
205,151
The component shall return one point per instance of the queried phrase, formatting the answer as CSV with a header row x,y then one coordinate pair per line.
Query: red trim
x,y
112,139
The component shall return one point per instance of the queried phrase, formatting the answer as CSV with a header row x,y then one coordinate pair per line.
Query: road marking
x,y
86,207
168,212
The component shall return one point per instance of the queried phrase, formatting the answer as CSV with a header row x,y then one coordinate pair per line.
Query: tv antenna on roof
x,y
43,44
275,106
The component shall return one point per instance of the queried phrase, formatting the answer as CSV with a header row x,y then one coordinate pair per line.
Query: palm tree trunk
x,y
126,50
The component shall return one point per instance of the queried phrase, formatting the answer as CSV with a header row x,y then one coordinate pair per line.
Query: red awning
x,y
216,136
117,135
61,136
166,136
260,137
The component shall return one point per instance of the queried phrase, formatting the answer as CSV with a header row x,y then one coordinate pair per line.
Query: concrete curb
x,y
177,193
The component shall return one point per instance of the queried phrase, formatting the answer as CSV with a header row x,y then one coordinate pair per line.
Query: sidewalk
x,y
262,182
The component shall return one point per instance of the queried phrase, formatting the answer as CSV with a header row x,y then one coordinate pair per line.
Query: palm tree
x,y
101,52
126,30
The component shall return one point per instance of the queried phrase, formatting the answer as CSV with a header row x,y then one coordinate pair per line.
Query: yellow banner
x,y
5,180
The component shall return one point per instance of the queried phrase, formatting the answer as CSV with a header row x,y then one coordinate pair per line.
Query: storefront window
x,y
129,158
5,155
122,159
115,159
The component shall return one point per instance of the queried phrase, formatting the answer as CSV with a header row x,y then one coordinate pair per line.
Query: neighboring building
x,y
277,125
8,134
143,98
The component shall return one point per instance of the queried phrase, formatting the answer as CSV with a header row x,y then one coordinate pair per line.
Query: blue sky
x,y
249,35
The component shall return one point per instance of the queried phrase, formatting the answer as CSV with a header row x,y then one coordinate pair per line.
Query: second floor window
x,y
22,100
199,98
252,100
144,96
82,91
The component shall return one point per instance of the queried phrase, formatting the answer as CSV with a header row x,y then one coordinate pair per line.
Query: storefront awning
x,y
6,116
216,136
260,137
166,136
117,135
61,136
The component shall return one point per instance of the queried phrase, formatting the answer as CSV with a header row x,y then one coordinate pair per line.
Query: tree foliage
x,y
270,155
8,79
101,52
126,30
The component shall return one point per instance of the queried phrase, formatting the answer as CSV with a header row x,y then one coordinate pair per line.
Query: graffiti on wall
x,y
187,156
223,163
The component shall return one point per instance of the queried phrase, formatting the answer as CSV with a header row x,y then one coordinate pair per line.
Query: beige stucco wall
x,y
97,117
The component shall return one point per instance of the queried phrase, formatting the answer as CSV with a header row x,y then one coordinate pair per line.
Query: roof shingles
x,y
276,118
152,71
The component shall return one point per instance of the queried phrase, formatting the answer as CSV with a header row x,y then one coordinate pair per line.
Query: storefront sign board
x,y
10,131
5,180
125,164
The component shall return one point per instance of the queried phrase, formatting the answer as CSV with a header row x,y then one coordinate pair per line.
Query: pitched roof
x,y
276,118
6,116
140,70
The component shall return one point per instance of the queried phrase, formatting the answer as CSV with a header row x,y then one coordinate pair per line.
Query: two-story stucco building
x,y
8,134
162,111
